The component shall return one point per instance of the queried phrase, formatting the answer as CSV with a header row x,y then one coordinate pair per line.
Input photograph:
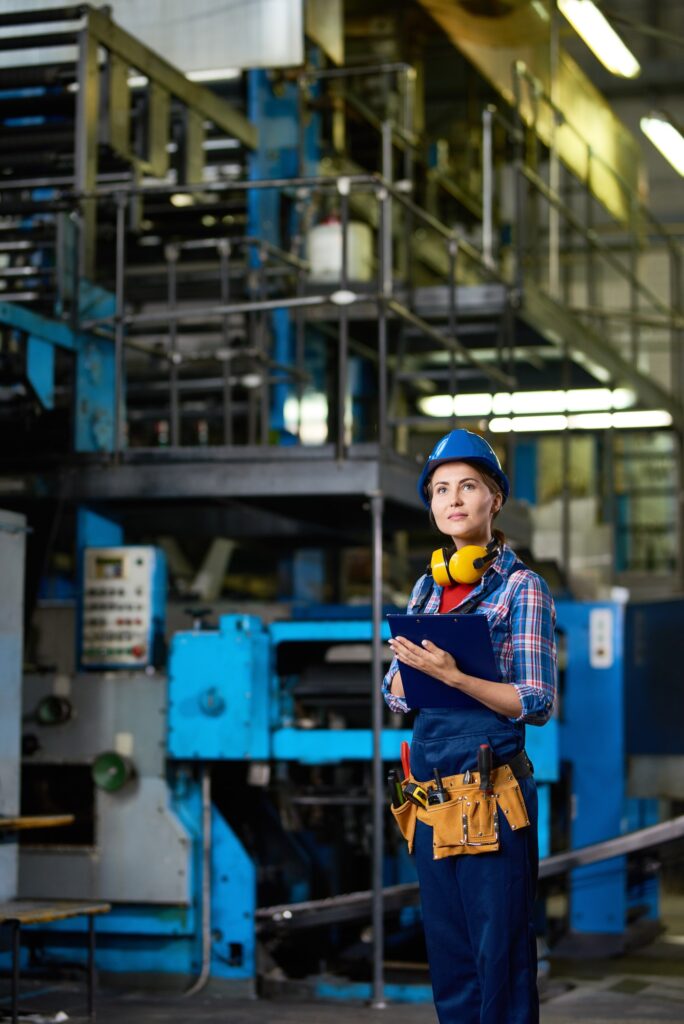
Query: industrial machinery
x,y
175,343
276,717
621,737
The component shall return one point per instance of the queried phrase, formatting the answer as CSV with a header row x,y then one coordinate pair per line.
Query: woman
x,y
477,910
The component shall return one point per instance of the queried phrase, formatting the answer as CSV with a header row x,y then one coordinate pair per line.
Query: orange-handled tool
x,y
405,759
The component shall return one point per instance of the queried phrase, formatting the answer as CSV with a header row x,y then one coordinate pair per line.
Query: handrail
x,y
592,239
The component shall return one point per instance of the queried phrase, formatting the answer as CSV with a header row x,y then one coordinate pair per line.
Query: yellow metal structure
x,y
509,41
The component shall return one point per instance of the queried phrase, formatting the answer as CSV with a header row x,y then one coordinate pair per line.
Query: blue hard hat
x,y
463,446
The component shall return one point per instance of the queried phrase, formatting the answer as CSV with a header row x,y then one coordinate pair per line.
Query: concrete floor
x,y
646,986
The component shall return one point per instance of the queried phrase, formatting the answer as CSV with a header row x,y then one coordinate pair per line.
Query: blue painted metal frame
x,y
593,740
94,394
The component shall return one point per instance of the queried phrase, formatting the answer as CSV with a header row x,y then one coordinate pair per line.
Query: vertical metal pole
x,y
300,352
591,267
16,956
86,142
224,273
300,326
386,277
91,965
171,253
633,290
119,310
264,349
452,253
566,524
386,240
677,363
378,1000
609,495
487,186
382,324
554,162
343,346
409,76
520,193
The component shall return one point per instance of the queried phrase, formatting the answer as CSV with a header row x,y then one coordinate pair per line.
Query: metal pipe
x,y
409,111
566,524
255,306
554,159
378,789
633,291
119,303
224,257
313,182
343,343
313,913
386,238
452,254
677,368
382,324
206,885
171,253
366,69
487,187
264,391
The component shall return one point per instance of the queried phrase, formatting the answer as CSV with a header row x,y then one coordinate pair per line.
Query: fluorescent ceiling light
x,y
635,419
521,424
666,138
504,403
600,37
645,418
180,199
214,75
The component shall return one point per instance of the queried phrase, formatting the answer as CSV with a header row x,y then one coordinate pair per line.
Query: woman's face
x,y
463,504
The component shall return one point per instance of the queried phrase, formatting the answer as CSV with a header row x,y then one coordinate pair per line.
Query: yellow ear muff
x,y
467,565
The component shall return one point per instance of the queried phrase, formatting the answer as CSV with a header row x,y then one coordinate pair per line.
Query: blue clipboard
x,y
466,637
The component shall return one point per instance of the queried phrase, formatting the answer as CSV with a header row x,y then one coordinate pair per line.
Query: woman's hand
x,y
427,658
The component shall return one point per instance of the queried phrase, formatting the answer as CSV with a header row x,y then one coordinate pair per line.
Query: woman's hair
x,y
492,484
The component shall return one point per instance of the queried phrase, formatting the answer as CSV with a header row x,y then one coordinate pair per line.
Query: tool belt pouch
x,y
509,798
405,817
468,823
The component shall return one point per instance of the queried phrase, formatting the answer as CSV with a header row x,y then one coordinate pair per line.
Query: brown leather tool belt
x,y
467,822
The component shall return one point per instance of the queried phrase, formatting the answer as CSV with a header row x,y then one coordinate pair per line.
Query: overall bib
x,y
477,910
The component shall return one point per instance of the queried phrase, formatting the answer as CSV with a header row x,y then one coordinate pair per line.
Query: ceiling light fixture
x,y
505,403
600,37
666,138
633,420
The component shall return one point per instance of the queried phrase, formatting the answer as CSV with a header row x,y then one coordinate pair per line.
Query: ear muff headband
x,y
466,565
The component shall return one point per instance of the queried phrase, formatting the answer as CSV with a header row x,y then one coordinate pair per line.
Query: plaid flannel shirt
x,y
522,618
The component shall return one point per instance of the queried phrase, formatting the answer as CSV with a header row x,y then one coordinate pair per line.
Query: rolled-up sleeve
x,y
394,703
533,620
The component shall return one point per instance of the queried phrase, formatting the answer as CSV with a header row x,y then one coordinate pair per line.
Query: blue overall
x,y
477,909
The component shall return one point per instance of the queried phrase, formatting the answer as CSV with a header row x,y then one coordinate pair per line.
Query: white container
x,y
325,251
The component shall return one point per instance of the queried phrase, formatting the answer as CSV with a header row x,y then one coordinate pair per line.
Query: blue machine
x,y
620,707
278,716
278,693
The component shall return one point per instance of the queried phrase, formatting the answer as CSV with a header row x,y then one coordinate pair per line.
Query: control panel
x,y
122,607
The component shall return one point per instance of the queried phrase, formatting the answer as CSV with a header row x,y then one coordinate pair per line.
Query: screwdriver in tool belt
x,y
438,795
484,767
